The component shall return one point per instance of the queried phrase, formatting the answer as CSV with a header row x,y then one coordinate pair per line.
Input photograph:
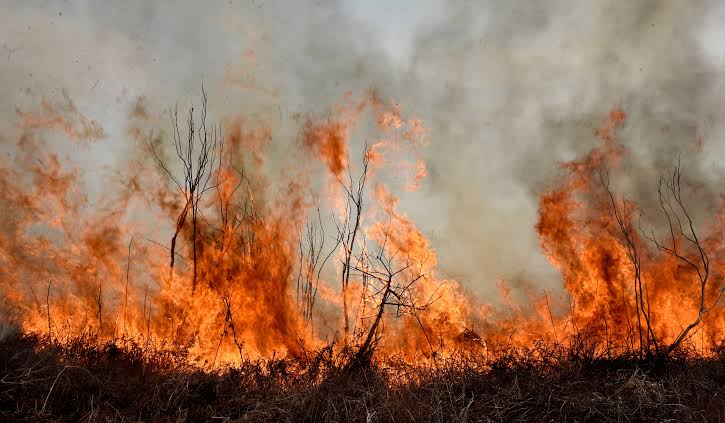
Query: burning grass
x,y
231,319
84,380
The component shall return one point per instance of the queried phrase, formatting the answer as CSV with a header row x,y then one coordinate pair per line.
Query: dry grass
x,y
84,381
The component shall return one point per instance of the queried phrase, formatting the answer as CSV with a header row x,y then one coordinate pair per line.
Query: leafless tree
x,y
197,152
388,278
389,281
683,243
348,228
311,263
236,216
622,215
682,231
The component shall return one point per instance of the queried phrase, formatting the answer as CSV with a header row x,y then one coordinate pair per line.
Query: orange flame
x,y
580,236
71,269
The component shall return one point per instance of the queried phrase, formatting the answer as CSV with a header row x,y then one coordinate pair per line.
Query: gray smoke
x,y
505,89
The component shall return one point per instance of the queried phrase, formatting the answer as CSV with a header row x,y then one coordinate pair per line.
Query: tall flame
x,y
580,236
70,269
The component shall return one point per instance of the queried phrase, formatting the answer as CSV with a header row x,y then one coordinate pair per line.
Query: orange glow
x,y
71,269
580,237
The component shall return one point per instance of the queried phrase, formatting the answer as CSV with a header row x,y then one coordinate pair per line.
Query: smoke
x,y
506,90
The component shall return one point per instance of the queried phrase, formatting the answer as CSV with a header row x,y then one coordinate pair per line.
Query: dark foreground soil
x,y
84,381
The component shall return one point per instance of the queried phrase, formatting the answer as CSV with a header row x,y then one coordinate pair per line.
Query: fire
x,y
330,137
268,275
579,234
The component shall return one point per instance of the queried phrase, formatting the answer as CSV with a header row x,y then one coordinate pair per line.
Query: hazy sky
x,y
505,88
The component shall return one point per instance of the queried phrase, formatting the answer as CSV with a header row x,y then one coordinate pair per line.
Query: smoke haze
x,y
505,90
